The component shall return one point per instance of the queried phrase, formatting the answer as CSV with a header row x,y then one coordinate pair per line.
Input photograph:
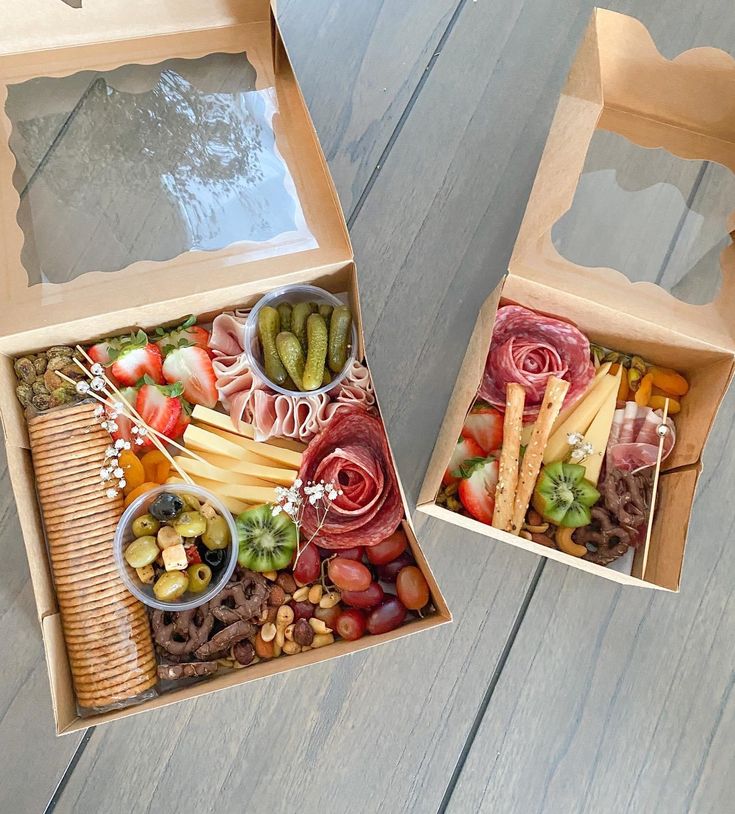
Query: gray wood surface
x,y
552,691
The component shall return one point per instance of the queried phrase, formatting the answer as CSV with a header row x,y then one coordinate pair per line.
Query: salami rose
x,y
352,452
527,348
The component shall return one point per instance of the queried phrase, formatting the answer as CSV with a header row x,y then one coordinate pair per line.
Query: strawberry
x,y
186,334
478,479
484,424
100,353
159,407
183,422
466,448
134,357
124,424
192,366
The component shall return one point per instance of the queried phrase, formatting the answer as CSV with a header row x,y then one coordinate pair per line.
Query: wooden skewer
x,y
139,422
654,490
136,417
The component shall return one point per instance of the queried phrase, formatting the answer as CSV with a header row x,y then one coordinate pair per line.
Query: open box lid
x,y
181,119
619,82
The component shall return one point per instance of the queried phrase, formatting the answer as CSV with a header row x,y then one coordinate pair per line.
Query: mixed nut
x,y
39,384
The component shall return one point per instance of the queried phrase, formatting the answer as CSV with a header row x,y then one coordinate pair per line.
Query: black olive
x,y
215,559
166,507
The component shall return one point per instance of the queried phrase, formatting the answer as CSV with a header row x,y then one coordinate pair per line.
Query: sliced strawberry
x,y
192,366
125,424
478,479
484,424
134,357
187,334
159,407
466,448
100,353
183,422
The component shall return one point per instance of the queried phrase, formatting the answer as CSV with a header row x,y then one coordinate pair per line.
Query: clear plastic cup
x,y
292,294
124,535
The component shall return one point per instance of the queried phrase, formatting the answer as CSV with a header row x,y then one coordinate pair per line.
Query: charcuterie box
x,y
156,161
619,87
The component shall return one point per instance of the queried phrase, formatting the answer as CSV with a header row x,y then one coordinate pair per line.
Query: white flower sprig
x,y
292,501
581,449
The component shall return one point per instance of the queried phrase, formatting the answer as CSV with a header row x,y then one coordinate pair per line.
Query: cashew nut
x,y
540,529
566,543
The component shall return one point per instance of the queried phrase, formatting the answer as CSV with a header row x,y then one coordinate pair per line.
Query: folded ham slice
x,y
248,398
633,442
352,453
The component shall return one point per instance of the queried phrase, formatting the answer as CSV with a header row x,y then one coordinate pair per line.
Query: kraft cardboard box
x,y
620,83
49,41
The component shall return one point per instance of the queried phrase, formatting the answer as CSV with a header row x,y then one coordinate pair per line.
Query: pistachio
x,y
25,370
24,392
39,364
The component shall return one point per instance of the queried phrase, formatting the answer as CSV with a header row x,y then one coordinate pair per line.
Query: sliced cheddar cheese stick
x,y
232,446
247,474
213,418
232,504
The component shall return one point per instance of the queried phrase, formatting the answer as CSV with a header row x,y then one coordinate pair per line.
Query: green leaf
x,y
467,467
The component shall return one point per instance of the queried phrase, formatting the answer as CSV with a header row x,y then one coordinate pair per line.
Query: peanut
x,y
322,639
272,613
301,594
288,632
330,600
263,649
291,648
287,582
284,616
277,649
319,626
268,632
280,639
271,575
315,594
277,596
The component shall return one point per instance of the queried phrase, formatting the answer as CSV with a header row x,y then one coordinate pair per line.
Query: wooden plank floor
x,y
552,691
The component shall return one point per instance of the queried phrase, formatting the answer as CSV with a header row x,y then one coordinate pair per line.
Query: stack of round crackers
x,y
106,629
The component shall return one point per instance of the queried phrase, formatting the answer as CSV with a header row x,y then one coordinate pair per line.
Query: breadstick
x,y
556,389
505,492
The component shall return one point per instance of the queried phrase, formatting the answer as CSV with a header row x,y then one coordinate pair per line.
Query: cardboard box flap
x,y
187,114
40,25
622,84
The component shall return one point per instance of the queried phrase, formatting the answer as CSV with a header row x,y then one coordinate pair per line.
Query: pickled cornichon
x,y
299,315
292,356
284,312
340,334
269,324
317,338
325,309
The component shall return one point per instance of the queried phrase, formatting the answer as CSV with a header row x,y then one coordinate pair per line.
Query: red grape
x,y
351,624
328,615
412,588
349,575
388,549
301,610
346,553
387,616
364,599
389,571
307,569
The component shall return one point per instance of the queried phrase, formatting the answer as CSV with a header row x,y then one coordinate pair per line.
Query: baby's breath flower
x,y
574,438
122,483
112,426
276,509
82,388
111,493
119,444
119,406
97,369
98,384
134,430
139,441
110,452
119,472
99,411
105,473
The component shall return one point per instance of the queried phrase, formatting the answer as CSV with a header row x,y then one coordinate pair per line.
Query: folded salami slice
x,y
352,453
528,348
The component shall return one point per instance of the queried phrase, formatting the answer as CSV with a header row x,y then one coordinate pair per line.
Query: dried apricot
x,y
643,393
657,403
133,468
141,490
669,381
623,388
156,465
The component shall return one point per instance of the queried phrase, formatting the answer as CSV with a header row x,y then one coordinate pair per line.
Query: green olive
x,y
145,525
191,502
200,575
217,534
142,552
190,524
171,585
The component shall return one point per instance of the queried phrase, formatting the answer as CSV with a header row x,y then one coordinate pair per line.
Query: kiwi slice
x,y
267,541
564,496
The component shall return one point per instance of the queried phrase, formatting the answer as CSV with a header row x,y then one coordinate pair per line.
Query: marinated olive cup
x,y
293,294
124,536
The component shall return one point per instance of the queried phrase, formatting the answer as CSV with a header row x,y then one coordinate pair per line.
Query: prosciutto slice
x,y
633,442
352,453
248,398
528,348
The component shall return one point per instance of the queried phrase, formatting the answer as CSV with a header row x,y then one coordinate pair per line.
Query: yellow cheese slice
x,y
248,494
213,418
230,445
246,474
601,371
232,504
580,418
599,432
